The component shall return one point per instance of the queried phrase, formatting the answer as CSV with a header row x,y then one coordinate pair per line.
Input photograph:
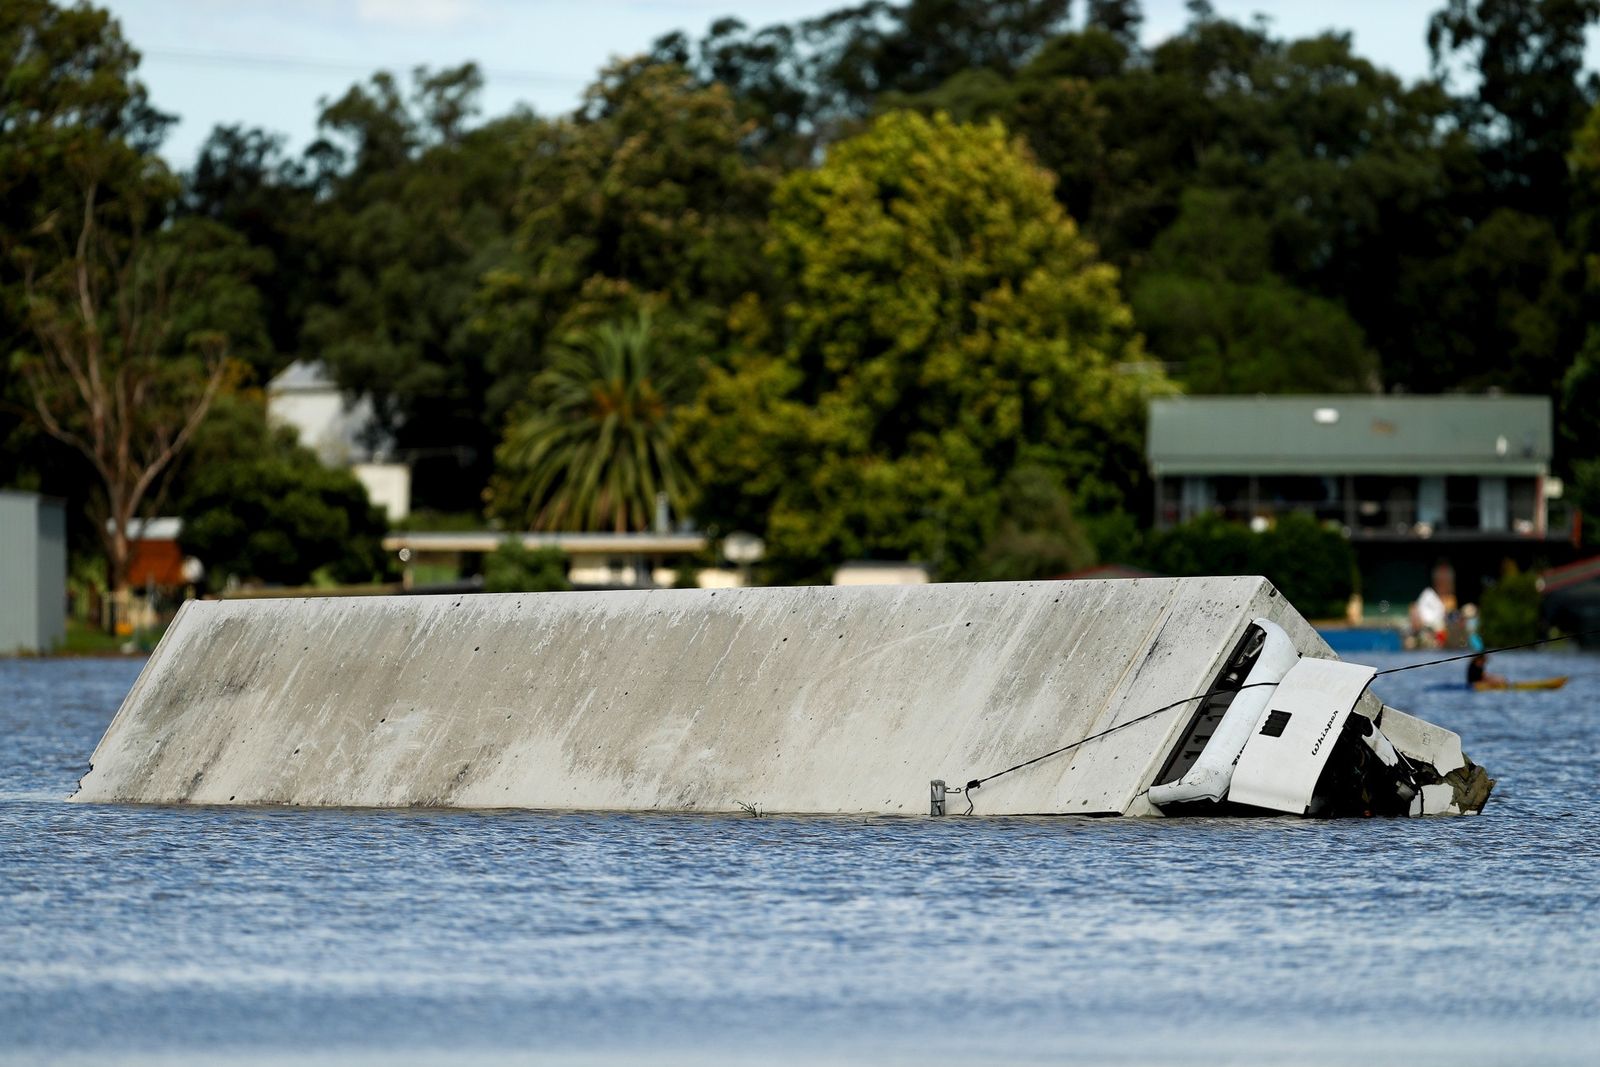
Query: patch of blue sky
x,y
268,63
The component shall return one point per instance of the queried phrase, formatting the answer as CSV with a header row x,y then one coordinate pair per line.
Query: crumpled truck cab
x,y
1281,733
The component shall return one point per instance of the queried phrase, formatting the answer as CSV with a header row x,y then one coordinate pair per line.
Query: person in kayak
x,y
1478,674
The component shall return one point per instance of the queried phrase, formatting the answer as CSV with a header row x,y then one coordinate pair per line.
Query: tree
x,y
1511,608
939,322
1364,186
70,101
935,39
243,180
594,448
1208,544
1580,428
646,199
1527,56
133,346
257,506
1038,536
1313,566
807,84
1510,303
1120,18
415,208
1209,302
1579,397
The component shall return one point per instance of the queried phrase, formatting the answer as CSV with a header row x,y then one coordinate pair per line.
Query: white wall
x,y
388,486
322,423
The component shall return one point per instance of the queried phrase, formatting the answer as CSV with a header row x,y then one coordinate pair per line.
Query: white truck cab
x,y
1283,733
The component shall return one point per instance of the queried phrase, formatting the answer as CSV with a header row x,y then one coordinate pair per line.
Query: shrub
x,y
1207,545
1038,536
515,568
1510,609
1311,564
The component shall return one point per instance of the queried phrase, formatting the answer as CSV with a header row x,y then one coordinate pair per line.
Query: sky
x,y
267,63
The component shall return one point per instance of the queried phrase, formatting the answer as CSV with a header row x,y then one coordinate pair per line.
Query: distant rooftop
x,y
163,528
1482,435
302,376
573,544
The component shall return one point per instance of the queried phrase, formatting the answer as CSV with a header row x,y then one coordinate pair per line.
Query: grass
x,y
84,639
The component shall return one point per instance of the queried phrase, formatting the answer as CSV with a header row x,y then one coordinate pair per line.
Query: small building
x,y
342,431
33,572
881,572
594,560
155,560
1411,480
1382,466
1570,598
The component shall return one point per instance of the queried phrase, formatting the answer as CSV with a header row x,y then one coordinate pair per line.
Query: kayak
x,y
1531,683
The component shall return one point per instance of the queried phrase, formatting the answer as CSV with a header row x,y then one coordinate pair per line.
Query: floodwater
x,y
200,935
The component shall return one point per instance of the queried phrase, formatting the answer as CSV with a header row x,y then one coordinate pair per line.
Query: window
x,y
1385,504
1461,502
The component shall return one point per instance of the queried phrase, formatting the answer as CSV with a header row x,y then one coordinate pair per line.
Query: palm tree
x,y
594,445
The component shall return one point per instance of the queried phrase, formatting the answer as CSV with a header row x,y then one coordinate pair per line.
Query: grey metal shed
x,y
33,572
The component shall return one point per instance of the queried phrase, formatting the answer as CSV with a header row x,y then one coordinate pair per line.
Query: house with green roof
x,y
1411,480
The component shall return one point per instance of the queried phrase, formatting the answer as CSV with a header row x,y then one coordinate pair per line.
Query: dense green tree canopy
x,y
1037,535
643,200
243,180
1210,304
1579,397
939,320
808,84
1526,60
418,209
1344,173
1312,565
901,260
70,108
512,568
257,506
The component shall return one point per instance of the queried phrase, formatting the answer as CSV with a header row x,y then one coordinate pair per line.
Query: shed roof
x,y
1580,572
1483,435
303,376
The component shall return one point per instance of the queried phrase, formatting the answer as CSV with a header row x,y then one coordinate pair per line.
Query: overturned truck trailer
x,y
800,700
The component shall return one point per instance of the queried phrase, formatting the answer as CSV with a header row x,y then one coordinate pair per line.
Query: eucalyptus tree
x,y
134,340
124,326
70,100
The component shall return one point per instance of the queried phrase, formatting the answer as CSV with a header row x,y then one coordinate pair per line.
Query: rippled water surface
x,y
205,934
